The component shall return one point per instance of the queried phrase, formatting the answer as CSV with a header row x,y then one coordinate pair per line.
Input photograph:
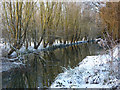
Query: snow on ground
x,y
6,64
23,48
30,48
6,47
92,72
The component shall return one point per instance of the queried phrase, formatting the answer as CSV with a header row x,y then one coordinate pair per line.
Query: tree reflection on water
x,y
41,69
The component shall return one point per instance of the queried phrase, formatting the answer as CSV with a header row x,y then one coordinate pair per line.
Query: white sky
x,y
64,0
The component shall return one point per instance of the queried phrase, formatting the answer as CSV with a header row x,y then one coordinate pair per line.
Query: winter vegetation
x,y
92,72
39,28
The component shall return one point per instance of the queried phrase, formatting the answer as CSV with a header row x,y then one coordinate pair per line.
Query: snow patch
x,y
92,72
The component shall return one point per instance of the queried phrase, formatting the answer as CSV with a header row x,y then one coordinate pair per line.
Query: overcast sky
x,y
66,0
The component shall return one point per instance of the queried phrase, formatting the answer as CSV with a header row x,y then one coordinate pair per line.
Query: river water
x,y
40,70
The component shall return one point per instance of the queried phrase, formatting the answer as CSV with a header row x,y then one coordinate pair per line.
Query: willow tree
x,y
46,17
71,21
49,21
17,17
54,22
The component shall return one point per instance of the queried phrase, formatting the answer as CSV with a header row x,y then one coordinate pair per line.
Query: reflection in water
x,y
41,69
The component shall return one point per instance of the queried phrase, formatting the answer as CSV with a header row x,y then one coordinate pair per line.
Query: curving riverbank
x,y
5,48
100,71
14,61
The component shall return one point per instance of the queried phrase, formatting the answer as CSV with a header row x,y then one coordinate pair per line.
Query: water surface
x,y
41,69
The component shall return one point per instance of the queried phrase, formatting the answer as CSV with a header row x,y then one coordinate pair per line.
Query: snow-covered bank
x,y
92,72
5,48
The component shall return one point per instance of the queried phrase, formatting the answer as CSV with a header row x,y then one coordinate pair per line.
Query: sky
x,y
64,0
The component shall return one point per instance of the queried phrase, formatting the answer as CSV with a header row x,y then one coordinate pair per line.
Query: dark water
x,y
41,69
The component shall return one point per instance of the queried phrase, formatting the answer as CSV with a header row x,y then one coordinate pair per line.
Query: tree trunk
x,y
40,40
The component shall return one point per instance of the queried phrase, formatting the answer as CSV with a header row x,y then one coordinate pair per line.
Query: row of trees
x,y
26,22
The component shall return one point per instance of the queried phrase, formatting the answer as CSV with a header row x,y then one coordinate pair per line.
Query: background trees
x,y
26,23
110,17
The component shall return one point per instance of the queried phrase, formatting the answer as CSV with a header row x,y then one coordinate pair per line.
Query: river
x,y
40,70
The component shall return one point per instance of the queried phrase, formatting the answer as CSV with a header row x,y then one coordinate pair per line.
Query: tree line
x,y
37,22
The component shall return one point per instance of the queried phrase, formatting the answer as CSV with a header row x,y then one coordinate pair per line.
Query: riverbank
x,y
15,61
22,51
99,71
